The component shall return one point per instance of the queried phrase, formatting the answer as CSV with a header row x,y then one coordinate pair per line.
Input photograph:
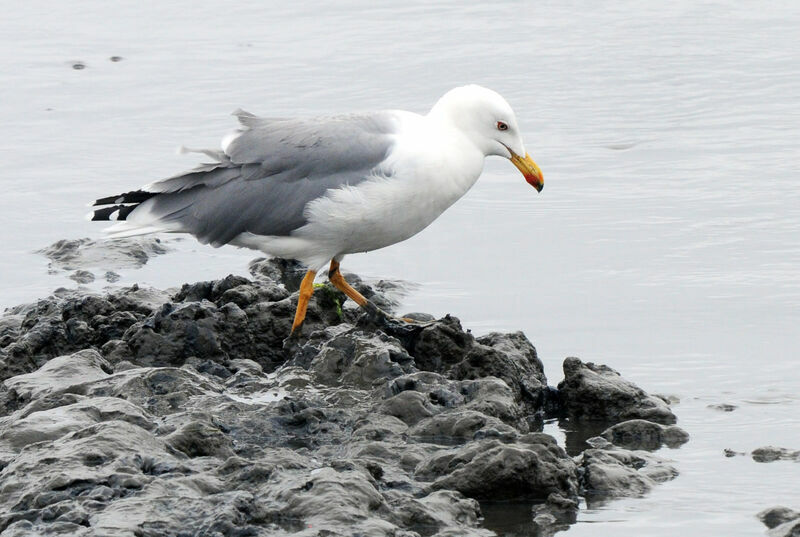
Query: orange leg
x,y
337,280
306,290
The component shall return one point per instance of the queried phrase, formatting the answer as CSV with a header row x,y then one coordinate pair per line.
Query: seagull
x,y
317,189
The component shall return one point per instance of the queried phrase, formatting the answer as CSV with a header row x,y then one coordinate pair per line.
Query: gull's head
x,y
489,122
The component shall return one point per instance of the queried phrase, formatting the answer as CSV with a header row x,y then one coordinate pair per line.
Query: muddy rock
x,y
80,254
445,347
141,412
37,423
71,321
781,521
105,460
82,276
351,357
790,528
556,514
643,434
490,469
597,392
613,472
410,407
775,516
723,407
772,453
288,272
58,375
461,424
439,511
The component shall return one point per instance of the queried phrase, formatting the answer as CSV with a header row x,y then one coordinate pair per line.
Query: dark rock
x,y
58,375
142,412
409,406
731,453
772,453
441,345
419,317
597,392
37,423
457,424
82,276
454,409
379,428
71,321
723,407
439,511
10,325
81,254
493,397
289,272
781,521
444,347
787,529
110,454
177,332
556,514
643,434
488,469
136,299
777,516
201,438
356,359
438,389
615,472
512,358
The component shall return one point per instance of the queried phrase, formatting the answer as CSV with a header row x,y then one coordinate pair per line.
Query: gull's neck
x,y
448,118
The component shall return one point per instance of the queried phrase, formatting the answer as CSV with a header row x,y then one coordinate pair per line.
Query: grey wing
x,y
267,174
311,147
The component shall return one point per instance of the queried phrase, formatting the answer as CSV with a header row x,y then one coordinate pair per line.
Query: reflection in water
x,y
577,433
532,518
525,519
510,519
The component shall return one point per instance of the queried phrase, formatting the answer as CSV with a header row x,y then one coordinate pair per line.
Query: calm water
x,y
666,242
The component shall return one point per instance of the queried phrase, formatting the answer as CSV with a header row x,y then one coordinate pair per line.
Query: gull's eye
x,y
502,126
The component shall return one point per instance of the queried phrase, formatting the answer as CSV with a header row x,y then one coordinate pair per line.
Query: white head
x,y
489,122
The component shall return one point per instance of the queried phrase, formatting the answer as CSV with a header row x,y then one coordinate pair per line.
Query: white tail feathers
x,y
126,229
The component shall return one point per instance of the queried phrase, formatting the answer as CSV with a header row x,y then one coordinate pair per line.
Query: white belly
x,y
372,215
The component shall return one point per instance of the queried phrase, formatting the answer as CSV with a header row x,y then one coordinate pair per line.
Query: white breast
x,y
428,170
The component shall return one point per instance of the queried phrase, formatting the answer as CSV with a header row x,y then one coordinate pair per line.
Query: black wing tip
x,y
113,212
134,196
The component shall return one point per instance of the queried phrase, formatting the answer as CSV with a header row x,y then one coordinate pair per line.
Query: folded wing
x,y
262,180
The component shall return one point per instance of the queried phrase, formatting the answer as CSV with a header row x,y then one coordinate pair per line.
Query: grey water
x,y
666,242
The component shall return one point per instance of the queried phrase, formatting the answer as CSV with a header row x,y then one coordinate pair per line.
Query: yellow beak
x,y
529,169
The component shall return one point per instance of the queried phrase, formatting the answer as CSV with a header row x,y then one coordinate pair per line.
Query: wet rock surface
x,y
142,412
556,514
596,392
112,253
781,521
103,255
772,453
643,434
611,472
